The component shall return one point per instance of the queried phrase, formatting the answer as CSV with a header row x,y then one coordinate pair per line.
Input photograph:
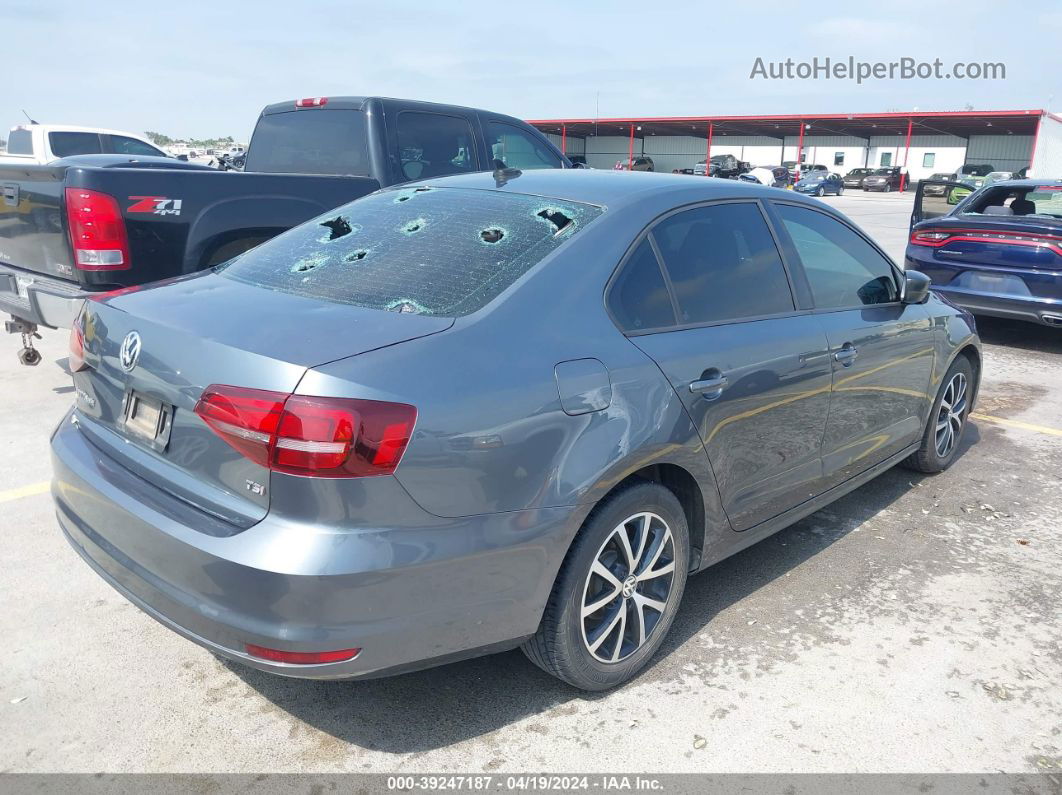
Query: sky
x,y
191,69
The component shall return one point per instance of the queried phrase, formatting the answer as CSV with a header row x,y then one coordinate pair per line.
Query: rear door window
x,y
68,144
434,145
723,264
124,145
310,141
844,270
430,251
518,148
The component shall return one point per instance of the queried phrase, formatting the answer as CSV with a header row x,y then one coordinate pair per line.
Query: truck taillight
x,y
311,436
311,102
97,231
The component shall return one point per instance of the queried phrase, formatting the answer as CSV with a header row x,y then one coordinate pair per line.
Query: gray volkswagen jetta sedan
x,y
494,410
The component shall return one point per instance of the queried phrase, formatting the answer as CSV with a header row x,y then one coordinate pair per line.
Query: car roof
x,y
359,103
1027,183
609,187
48,128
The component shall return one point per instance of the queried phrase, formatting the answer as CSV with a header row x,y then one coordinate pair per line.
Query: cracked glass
x,y
424,250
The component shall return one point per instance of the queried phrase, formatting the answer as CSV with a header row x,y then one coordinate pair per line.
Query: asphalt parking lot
x,y
912,626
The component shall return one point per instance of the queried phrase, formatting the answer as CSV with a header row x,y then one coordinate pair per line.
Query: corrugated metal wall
x,y
603,151
1047,161
572,145
1002,152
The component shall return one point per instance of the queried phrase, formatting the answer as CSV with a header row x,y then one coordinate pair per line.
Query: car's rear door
x,y
749,362
881,350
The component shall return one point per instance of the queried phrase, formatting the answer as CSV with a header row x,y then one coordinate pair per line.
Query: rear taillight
x,y
929,237
939,237
97,231
311,102
311,436
76,360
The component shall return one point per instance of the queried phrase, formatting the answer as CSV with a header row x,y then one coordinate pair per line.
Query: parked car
x,y
938,189
966,184
724,166
797,173
85,225
37,144
998,176
772,176
819,184
635,164
975,170
855,177
997,252
885,179
283,464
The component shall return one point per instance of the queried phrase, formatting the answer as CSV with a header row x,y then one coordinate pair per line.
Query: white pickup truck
x,y
38,144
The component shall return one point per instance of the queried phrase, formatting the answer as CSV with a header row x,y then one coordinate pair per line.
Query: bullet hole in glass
x,y
492,234
309,263
357,255
407,306
413,226
554,216
338,227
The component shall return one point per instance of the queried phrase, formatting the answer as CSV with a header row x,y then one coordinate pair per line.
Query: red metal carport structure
x,y
960,123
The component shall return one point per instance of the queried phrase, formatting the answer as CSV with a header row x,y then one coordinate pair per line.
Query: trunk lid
x,y
202,330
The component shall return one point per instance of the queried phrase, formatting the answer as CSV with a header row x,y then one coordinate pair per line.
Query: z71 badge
x,y
159,205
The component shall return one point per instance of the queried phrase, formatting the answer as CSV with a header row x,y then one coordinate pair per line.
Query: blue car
x,y
819,184
998,252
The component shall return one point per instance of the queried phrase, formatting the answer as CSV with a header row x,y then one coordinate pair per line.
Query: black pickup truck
x,y
93,223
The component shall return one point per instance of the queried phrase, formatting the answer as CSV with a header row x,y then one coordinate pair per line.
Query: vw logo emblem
x,y
130,351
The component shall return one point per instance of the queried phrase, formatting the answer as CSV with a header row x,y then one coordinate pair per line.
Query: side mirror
x,y
915,287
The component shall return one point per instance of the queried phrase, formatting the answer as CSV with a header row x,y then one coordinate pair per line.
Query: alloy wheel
x,y
951,415
628,587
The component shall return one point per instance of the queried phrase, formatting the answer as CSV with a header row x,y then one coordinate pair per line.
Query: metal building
x,y
922,143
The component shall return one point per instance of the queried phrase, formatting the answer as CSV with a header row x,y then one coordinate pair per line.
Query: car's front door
x,y
751,367
881,350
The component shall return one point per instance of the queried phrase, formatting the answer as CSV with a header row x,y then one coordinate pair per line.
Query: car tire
x,y
888,188
820,192
840,190
602,648
932,457
866,189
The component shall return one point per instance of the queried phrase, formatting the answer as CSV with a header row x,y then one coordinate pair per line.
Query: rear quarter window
x,y
20,142
431,251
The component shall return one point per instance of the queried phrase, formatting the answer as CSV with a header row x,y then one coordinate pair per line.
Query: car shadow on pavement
x,y
1019,334
427,710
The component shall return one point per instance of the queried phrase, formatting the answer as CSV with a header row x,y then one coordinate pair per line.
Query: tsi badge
x,y
130,351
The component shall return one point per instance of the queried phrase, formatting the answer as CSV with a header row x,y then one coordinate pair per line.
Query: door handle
x,y
847,354
715,383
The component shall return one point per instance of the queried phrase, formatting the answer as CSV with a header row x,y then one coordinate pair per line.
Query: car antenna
x,y
502,173
31,121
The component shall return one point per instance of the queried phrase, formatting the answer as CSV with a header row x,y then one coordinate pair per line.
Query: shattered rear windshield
x,y
429,251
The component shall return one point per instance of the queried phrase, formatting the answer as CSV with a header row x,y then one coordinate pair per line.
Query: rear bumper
x,y
1045,311
408,597
44,300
